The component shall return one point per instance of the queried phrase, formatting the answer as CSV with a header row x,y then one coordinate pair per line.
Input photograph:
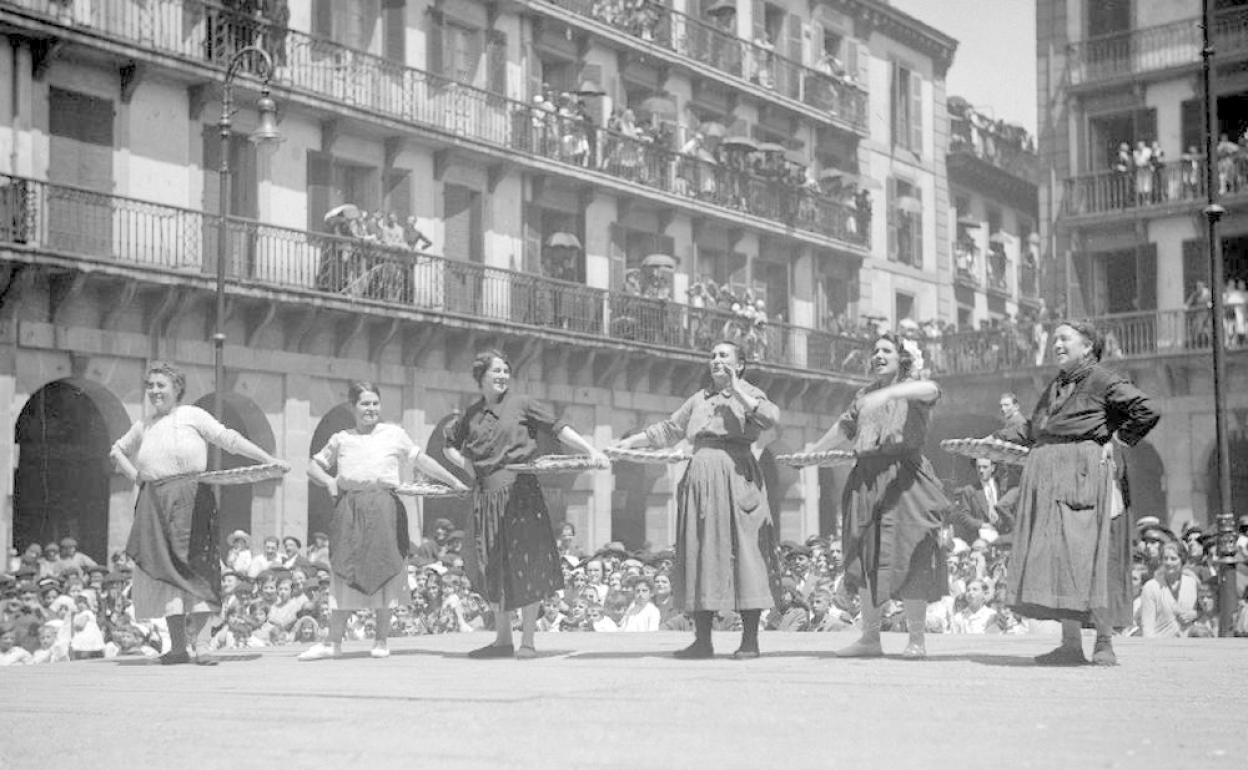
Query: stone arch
x,y
955,470
245,416
62,481
455,509
1238,441
634,484
1146,474
780,479
320,504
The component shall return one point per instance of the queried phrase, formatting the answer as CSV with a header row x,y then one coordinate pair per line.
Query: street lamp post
x,y
1225,516
266,132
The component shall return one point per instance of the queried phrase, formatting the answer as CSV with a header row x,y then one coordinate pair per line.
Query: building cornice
x,y
900,26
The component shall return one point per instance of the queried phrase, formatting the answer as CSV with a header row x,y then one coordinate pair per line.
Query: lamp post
x,y
266,132
1225,517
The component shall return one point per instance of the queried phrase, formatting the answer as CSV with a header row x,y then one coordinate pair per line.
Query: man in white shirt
x,y
267,560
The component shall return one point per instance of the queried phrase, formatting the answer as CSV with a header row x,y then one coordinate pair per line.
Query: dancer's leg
x,y
868,645
916,623
177,641
701,647
528,625
1103,651
1070,652
749,634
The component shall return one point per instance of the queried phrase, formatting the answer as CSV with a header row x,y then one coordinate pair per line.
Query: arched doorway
x,y
778,478
320,504
633,485
454,509
1238,441
1146,473
245,416
61,485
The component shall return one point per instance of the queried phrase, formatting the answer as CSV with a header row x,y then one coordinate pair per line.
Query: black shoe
x,y
493,651
746,654
695,651
1062,656
175,658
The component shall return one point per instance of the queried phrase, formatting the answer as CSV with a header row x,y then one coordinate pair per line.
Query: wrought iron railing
x,y
75,222
1174,183
840,98
209,34
1152,49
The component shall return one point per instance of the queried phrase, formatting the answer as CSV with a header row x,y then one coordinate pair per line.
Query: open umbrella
x,y
345,211
660,106
589,88
909,204
565,240
771,147
998,238
740,143
711,128
830,173
721,7
966,220
661,261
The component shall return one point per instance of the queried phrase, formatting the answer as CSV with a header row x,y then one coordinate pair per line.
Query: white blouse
x,y
368,460
175,443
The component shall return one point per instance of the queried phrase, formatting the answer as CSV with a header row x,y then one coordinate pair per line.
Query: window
x,y
905,223
1107,132
907,109
454,49
904,306
1105,17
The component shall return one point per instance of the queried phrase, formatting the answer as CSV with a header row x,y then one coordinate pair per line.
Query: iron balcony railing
x,y
76,222
841,99
1176,183
1153,49
209,34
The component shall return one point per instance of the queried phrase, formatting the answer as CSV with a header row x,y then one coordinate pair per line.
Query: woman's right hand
x,y
332,488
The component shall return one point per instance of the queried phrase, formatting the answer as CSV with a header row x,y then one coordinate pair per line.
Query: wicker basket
x,y
429,490
248,474
987,449
655,456
830,457
559,464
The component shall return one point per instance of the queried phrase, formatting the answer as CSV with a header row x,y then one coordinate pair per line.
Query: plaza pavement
x,y
620,700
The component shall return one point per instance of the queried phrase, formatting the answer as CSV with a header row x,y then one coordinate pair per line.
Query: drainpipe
x,y
15,99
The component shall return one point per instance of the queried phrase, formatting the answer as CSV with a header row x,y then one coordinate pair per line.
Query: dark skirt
x,y
1064,558
514,559
174,537
726,556
368,539
893,506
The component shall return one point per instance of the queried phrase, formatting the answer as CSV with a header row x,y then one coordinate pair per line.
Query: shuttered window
x,y
907,109
462,215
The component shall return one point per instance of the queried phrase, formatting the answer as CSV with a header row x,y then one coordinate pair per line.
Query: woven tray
x,y
559,464
429,490
830,457
248,474
657,456
987,449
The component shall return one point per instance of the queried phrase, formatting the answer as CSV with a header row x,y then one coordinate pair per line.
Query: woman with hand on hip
x,y
368,537
893,502
1071,559
725,541
513,556
174,537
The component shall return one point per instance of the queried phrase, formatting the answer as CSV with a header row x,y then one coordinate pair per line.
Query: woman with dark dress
x,y
513,556
893,502
725,541
1070,562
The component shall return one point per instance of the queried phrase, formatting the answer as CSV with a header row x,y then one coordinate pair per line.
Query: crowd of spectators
x,y
352,264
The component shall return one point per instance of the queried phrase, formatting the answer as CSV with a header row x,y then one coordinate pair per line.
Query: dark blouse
x,y
492,436
1089,404
716,415
897,427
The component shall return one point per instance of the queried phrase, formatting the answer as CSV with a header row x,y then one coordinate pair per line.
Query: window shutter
x,y
891,210
1193,125
433,42
863,56
760,20
323,19
894,91
1146,125
320,179
916,229
532,239
1195,265
618,256
1146,276
916,113
794,53
395,30
816,44
496,48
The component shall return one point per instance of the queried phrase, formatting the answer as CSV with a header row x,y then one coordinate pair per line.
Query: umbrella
x,y
705,155
566,240
661,261
966,220
795,156
721,7
589,88
661,106
830,173
909,204
740,143
997,238
957,104
346,211
712,128
771,147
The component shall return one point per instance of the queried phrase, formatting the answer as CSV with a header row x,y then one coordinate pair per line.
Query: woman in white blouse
x,y
174,538
1168,601
368,538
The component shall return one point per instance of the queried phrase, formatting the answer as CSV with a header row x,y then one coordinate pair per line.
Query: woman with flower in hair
x,y
893,502
1072,546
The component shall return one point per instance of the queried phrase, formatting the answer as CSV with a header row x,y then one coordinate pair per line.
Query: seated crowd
x,y
59,605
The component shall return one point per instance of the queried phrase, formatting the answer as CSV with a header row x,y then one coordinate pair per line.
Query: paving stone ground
x,y
620,701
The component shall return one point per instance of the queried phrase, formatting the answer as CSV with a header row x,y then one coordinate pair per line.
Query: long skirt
x,y
1060,568
368,542
514,558
893,506
726,556
174,546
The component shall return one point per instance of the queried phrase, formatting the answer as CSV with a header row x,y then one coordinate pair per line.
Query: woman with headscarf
x,y
513,556
1070,562
174,537
893,502
725,540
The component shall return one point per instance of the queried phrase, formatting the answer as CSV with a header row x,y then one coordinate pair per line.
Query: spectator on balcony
x,y
1142,162
1235,311
392,231
1157,161
413,237
628,148
1228,178
1199,326
862,214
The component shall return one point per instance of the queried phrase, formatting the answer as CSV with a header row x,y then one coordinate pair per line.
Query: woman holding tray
x,y
368,536
173,540
513,558
725,541
1071,558
893,502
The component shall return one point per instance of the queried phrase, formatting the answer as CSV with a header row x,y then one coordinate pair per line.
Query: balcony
x,y
1128,55
1127,336
702,47
204,36
152,242
1175,187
